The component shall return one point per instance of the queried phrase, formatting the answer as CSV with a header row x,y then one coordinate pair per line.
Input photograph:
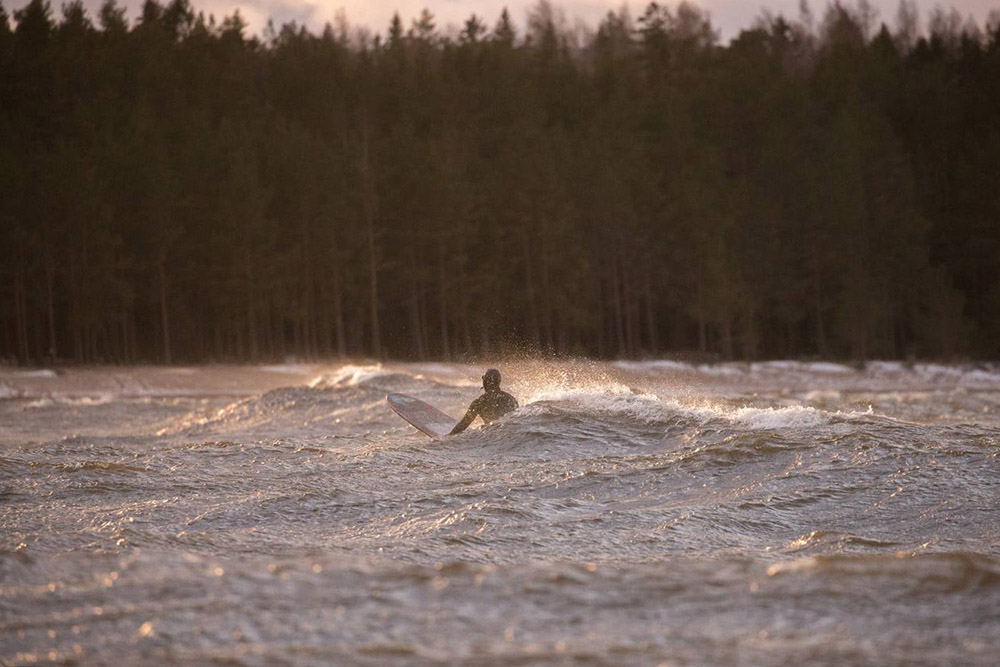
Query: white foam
x,y
436,368
779,364
8,392
827,367
790,365
823,395
720,369
795,416
792,567
778,418
39,403
559,392
290,369
656,364
978,375
40,373
937,370
615,401
670,365
878,367
100,399
349,375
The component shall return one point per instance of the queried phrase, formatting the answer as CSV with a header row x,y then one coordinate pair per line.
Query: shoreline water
x,y
777,513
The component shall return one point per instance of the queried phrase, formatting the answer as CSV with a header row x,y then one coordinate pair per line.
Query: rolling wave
x,y
774,514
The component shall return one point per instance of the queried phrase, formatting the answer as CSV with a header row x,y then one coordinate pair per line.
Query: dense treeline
x,y
174,189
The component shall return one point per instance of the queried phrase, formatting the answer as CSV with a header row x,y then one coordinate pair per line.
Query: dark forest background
x,y
173,189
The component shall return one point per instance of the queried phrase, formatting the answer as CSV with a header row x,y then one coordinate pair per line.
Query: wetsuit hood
x,y
491,379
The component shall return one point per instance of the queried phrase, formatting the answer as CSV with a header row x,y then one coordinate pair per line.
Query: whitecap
x,y
436,368
291,369
778,364
40,373
823,395
656,364
880,367
828,367
937,370
978,375
778,418
349,375
720,369
39,403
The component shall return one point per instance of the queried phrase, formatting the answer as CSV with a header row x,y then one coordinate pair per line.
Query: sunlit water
x,y
632,513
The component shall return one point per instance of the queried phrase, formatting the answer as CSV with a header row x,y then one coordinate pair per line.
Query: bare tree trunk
x,y
307,310
266,330
601,315
38,339
133,331
338,310
324,319
251,303
415,325
818,305
529,288
727,336
484,334
628,298
131,345
702,333
236,335
750,337
50,279
21,317
311,318
654,344
277,331
161,269
443,302
124,340
463,304
370,212
425,334
92,340
76,310
298,330
893,337
546,300
619,313
219,340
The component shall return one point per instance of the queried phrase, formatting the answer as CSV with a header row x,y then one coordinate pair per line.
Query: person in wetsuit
x,y
493,404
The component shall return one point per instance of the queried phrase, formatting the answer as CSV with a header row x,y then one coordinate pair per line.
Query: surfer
x,y
493,404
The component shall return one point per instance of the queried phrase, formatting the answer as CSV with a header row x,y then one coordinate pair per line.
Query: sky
x,y
728,16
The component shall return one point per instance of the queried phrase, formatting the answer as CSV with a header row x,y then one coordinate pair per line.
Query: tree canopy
x,y
175,189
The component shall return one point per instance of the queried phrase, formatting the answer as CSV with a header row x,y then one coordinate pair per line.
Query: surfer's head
x,y
491,379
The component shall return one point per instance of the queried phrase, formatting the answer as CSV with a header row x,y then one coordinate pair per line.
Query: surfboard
x,y
424,417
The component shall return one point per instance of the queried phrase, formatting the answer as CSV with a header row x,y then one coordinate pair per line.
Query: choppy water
x,y
632,513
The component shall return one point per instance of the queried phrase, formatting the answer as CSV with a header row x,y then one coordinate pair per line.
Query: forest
x,y
175,189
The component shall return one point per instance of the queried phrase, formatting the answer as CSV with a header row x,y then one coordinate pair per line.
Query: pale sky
x,y
728,16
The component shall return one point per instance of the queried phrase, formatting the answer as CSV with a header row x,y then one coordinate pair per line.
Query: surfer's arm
x,y
470,414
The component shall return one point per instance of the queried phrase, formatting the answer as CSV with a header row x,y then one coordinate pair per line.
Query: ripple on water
x,y
631,513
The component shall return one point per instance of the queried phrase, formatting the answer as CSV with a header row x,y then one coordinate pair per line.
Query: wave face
x,y
636,513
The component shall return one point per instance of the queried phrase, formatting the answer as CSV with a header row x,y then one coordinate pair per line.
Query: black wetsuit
x,y
493,404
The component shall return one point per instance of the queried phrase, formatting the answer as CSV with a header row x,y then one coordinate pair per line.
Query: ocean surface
x,y
781,513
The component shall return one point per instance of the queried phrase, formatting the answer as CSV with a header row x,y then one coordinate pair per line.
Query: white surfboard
x,y
424,417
